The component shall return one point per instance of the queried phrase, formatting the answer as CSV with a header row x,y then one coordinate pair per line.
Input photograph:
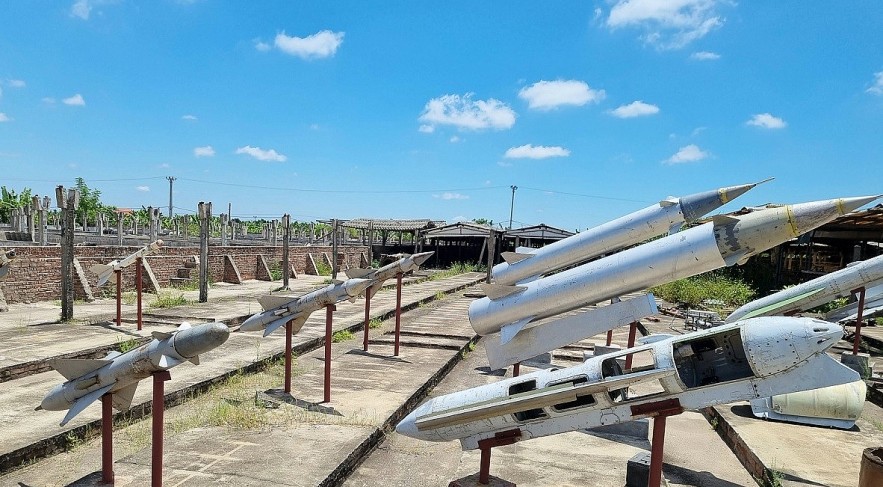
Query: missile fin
x,y
161,335
272,302
358,273
524,250
84,402
372,289
99,269
724,220
273,326
71,368
508,332
675,228
497,291
194,360
336,282
514,257
167,361
738,258
122,399
670,201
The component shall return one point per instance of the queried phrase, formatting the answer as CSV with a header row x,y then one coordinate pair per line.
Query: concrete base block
x,y
472,481
637,471
639,429
859,363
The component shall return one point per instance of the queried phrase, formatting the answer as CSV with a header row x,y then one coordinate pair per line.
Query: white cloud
x,y
767,121
205,151
4,118
667,24
319,45
75,101
546,95
81,9
451,196
877,87
464,113
455,139
189,118
529,151
261,154
261,45
705,56
49,100
688,153
15,83
427,129
143,189
635,109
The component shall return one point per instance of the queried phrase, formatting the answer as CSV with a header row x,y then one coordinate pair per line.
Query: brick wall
x,y
35,273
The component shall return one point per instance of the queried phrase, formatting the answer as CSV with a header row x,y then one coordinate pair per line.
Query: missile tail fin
x,y
83,402
358,273
508,332
194,360
167,362
275,325
336,282
497,291
514,257
270,301
161,335
372,289
71,368
122,399
670,201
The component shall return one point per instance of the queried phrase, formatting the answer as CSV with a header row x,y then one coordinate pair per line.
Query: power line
x,y
584,195
307,190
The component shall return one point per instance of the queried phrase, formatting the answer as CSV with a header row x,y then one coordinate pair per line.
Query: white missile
x,y
379,276
725,241
816,292
119,374
873,307
279,310
666,216
104,271
754,358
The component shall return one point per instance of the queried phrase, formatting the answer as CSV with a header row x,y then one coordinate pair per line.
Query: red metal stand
x,y
500,439
119,274
329,314
609,337
159,408
367,319
288,357
659,411
858,319
398,312
633,329
107,439
516,369
138,288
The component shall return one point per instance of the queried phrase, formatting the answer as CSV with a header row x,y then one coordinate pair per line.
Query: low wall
x,y
35,273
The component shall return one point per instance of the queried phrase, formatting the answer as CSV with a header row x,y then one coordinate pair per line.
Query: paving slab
x,y
29,433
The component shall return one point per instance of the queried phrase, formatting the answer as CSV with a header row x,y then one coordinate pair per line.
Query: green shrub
x,y
322,269
168,300
341,336
713,286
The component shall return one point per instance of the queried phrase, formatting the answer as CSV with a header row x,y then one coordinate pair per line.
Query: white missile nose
x,y
354,287
849,204
253,323
422,257
54,401
408,426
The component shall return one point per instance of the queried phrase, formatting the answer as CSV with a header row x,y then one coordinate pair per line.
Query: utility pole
x,y
205,216
512,205
68,201
171,182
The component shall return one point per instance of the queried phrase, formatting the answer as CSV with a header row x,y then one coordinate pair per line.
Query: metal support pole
x,y
500,439
656,450
609,337
367,319
633,328
516,369
512,205
329,315
398,313
139,268
288,357
107,439
159,406
858,319
484,470
119,274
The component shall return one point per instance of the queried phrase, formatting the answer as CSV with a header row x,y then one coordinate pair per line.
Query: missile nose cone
x,y
200,339
253,323
422,257
408,426
355,287
695,206
54,401
808,216
852,204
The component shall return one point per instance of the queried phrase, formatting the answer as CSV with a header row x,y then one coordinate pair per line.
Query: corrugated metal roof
x,y
392,225
459,229
541,231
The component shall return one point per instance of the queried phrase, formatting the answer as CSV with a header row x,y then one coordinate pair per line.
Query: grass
x,y
276,271
692,292
127,345
169,300
375,323
322,268
341,336
455,269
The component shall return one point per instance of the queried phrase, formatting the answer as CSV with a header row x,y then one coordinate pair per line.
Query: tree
x,y
90,201
9,200
483,221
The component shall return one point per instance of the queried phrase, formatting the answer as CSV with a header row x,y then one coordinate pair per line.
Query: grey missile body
x,y
723,242
279,310
666,216
815,292
118,374
401,266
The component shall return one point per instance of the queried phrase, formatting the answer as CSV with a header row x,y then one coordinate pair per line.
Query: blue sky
x,y
416,109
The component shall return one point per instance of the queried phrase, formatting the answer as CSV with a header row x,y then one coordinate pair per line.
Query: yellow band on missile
x,y
724,197
840,207
792,222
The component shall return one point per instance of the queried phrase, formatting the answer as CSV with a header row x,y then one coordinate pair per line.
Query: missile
x,y
745,360
104,271
816,292
118,374
725,241
379,276
5,259
279,310
666,216
849,313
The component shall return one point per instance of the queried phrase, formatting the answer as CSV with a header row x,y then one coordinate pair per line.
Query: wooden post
x,y
139,269
398,312
288,330
329,316
370,243
159,407
107,439
286,236
68,201
491,248
205,215
334,248
119,273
